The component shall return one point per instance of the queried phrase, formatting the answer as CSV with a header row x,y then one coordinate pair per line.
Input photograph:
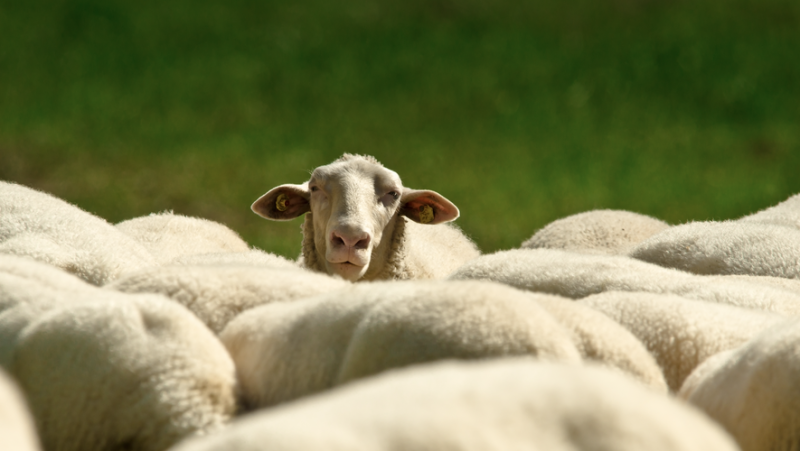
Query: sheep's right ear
x,y
283,203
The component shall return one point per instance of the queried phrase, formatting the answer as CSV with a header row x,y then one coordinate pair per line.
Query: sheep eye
x,y
314,189
394,194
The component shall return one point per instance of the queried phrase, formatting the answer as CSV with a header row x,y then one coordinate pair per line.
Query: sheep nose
x,y
358,240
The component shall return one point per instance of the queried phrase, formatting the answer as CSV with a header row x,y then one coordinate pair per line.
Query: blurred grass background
x,y
519,112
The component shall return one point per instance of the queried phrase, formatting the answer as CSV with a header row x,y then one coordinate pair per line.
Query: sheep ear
x,y
427,207
283,203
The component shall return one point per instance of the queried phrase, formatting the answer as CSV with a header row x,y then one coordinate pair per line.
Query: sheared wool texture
x,y
47,229
752,391
496,405
575,276
681,333
108,371
786,213
613,232
169,236
416,251
283,351
16,426
253,257
217,293
728,247
602,340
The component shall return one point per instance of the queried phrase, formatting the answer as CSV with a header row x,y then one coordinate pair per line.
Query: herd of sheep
x,y
605,331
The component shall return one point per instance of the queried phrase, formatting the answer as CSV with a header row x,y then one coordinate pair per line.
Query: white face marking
x,y
352,203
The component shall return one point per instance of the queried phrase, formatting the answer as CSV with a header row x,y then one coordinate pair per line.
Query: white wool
x,y
601,340
355,224
253,257
284,351
786,213
169,236
16,426
752,391
681,333
40,226
729,247
576,276
596,232
105,370
217,293
498,405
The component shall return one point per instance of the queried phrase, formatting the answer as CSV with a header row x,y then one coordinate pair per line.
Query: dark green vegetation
x,y
519,112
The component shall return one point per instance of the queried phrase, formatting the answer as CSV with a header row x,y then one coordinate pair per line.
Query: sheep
x,y
786,213
253,257
283,351
497,405
601,340
16,426
168,236
357,227
106,370
576,276
612,232
47,229
216,293
752,390
681,333
727,247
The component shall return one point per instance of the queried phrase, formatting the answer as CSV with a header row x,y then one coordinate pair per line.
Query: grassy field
x,y
519,112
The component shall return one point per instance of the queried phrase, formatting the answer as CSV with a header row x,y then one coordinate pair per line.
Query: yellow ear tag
x,y
425,214
281,202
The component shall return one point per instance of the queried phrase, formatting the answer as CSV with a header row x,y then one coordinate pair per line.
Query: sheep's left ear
x,y
427,207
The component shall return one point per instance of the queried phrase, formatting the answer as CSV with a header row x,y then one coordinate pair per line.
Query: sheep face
x,y
354,202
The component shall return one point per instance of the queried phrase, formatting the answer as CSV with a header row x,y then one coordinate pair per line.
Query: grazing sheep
x,y
253,257
47,229
681,333
786,213
16,425
498,405
728,247
579,275
284,351
105,370
356,224
217,293
597,232
168,236
601,340
752,391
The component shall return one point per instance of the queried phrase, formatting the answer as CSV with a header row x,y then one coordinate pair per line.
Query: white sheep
x,y
216,293
105,370
752,391
786,213
356,224
498,405
16,426
597,232
576,276
602,340
253,257
681,333
728,247
168,236
47,229
283,351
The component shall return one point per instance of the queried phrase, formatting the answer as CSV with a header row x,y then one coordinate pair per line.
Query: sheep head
x,y
354,203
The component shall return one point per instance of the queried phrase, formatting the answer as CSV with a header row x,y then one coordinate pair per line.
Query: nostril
x,y
336,240
362,243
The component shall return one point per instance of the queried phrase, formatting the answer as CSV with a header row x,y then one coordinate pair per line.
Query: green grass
x,y
518,113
